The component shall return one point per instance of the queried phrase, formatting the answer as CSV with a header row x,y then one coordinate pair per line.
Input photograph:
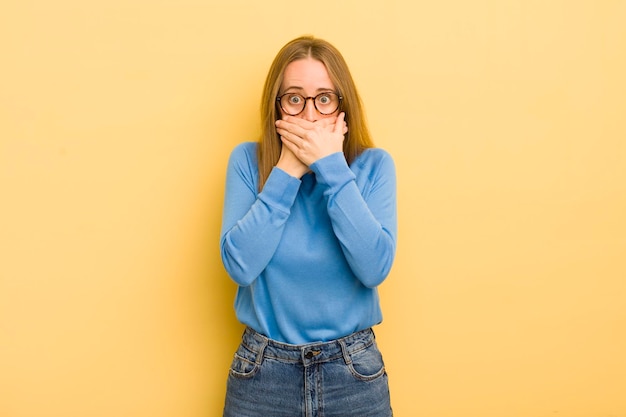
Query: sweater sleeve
x,y
364,220
252,222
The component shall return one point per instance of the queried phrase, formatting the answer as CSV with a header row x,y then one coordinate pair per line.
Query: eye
x,y
294,99
324,99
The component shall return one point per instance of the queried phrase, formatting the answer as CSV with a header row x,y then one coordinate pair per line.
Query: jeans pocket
x,y
244,363
367,364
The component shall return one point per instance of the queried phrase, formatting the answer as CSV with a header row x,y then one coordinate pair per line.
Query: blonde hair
x,y
358,137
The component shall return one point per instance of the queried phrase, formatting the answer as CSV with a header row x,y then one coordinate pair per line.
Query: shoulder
x,y
245,150
374,170
243,166
244,155
373,159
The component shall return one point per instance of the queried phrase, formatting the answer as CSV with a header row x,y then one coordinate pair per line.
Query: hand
x,y
310,141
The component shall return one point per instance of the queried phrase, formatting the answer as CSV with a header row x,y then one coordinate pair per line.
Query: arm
x,y
364,221
252,223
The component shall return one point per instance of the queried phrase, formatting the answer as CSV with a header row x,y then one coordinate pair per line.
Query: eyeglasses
x,y
325,103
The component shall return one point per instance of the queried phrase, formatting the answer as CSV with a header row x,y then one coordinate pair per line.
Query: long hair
x,y
358,137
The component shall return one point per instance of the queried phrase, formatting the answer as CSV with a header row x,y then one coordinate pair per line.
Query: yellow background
x,y
506,120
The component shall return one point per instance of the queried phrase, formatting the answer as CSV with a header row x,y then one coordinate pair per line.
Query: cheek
x,y
280,115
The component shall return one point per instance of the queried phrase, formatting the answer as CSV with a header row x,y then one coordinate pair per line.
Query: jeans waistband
x,y
309,353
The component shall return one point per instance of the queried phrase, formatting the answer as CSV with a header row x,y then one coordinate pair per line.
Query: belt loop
x,y
344,350
261,353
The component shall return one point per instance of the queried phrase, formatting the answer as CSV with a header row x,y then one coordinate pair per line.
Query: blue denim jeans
x,y
342,378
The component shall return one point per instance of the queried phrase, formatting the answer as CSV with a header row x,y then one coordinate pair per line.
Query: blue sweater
x,y
308,253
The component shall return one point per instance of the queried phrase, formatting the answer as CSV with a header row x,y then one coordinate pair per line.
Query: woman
x,y
308,233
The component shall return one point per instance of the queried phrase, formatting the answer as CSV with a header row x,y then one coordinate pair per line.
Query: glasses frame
x,y
306,99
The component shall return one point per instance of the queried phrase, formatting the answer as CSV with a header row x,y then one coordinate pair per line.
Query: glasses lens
x,y
326,103
292,103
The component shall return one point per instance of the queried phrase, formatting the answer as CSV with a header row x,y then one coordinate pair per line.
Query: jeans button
x,y
312,353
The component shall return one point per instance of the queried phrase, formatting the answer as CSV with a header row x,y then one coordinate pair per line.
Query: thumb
x,y
340,124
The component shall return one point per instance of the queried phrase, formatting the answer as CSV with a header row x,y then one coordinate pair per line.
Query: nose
x,y
310,112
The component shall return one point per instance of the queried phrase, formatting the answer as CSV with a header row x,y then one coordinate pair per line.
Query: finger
x,y
292,128
290,137
296,121
340,124
327,122
291,147
285,138
288,146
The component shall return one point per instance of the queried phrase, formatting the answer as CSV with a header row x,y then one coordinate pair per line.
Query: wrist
x,y
295,170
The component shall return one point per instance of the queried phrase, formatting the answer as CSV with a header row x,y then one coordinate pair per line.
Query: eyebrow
x,y
319,90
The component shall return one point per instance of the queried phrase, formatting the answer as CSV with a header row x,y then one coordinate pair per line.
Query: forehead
x,y
306,74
